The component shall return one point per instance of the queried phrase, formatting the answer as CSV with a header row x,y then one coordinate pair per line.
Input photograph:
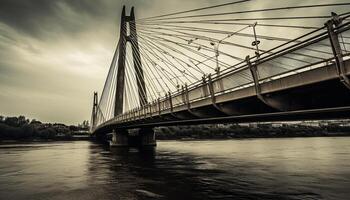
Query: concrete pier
x,y
119,139
148,137
144,137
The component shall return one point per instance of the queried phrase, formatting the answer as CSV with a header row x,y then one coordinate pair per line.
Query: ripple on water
x,y
295,169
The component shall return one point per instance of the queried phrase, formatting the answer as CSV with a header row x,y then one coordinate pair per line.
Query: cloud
x,y
55,53
52,53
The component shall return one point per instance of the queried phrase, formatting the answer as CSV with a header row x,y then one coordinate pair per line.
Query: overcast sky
x,y
55,53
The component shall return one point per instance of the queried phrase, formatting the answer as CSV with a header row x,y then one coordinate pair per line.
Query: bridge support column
x,y
119,139
147,137
144,137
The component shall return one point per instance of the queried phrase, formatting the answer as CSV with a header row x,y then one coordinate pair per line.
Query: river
x,y
288,168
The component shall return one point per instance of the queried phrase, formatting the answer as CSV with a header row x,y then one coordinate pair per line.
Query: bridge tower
x,y
94,111
132,38
143,137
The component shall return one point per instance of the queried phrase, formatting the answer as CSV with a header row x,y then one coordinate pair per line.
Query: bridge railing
x,y
316,52
234,81
198,93
344,40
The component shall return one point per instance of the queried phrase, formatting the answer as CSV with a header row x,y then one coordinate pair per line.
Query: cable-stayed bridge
x,y
223,64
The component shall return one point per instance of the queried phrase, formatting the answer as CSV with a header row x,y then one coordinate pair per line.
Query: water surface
x,y
290,168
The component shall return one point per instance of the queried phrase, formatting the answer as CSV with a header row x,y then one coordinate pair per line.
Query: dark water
x,y
299,168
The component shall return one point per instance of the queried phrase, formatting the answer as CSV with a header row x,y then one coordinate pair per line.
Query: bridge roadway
x,y
258,89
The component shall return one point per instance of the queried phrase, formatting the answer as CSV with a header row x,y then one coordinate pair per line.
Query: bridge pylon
x,y
94,112
132,38
121,137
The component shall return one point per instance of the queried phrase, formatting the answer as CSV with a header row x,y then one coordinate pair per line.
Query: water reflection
x,y
302,168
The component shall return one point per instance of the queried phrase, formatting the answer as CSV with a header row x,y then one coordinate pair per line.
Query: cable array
x,y
185,47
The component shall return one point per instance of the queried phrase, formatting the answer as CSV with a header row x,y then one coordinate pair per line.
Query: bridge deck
x,y
312,90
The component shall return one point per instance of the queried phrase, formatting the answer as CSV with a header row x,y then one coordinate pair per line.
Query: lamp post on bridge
x,y
216,50
256,42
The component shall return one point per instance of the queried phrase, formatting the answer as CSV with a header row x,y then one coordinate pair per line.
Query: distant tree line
x,y
260,131
21,128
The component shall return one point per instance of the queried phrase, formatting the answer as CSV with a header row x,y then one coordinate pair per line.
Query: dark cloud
x,y
26,16
37,17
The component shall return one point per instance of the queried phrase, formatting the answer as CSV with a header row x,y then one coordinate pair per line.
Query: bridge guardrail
x,y
344,40
315,54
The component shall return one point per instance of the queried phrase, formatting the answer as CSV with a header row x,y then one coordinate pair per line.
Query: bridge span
x,y
305,78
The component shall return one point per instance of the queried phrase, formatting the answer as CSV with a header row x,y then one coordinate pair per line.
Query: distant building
x,y
276,125
310,123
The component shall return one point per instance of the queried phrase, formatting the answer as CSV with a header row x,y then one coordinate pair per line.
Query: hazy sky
x,y
55,53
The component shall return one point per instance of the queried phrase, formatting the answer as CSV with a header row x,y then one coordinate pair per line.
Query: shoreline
x,y
256,137
243,138
35,140
25,141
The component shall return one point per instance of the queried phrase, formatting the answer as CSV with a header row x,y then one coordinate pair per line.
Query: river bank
x,y
237,131
20,129
23,129
39,140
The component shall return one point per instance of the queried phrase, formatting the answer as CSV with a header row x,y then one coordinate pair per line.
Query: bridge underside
x,y
310,95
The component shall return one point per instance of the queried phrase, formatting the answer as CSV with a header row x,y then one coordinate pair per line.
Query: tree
x,y
34,121
11,121
22,120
